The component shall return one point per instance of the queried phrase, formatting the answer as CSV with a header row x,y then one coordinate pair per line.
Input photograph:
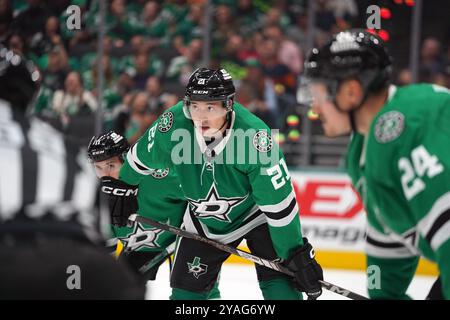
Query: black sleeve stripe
x,y
283,213
141,167
380,244
438,223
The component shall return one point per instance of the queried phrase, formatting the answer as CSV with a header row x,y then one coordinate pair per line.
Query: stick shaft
x,y
246,255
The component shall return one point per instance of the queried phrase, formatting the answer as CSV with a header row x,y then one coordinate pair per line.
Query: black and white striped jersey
x,y
46,182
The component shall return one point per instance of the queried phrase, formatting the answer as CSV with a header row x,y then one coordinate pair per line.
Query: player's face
x,y
334,122
349,94
208,116
108,168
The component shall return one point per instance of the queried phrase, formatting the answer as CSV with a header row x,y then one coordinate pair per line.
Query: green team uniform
x,y
402,171
159,198
233,186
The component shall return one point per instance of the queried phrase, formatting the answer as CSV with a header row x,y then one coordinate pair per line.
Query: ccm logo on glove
x,y
120,192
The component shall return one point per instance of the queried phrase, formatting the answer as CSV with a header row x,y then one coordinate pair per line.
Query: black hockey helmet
x,y
355,53
106,146
19,79
210,85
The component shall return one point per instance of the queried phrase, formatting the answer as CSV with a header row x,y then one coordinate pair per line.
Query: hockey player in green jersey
x,y
159,197
238,187
398,157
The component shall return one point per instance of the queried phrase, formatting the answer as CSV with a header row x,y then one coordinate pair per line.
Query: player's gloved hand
x,y
122,198
306,269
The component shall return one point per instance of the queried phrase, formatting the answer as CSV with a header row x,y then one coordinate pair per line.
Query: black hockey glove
x,y
122,199
307,271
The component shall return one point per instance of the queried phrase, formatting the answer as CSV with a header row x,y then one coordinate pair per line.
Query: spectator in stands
x,y
55,69
276,18
153,24
257,93
181,67
430,59
289,53
223,27
191,26
154,92
298,31
404,77
141,70
231,58
30,23
325,18
17,44
141,117
51,35
169,100
285,81
248,17
73,99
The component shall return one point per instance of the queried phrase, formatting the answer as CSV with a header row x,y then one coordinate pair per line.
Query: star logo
x,y
197,268
141,237
214,206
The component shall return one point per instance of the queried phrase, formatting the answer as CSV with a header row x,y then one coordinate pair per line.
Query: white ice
x,y
238,282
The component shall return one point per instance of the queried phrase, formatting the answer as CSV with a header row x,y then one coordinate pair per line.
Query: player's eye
x,y
210,109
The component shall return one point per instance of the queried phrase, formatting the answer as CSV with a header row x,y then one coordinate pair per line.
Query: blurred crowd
x,y
151,47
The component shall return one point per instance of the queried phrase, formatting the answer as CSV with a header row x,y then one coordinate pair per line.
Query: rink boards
x,y
333,219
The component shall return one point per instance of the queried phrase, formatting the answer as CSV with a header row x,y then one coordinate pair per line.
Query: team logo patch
x,y
389,126
214,206
197,268
141,237
165,122
160,173
262,141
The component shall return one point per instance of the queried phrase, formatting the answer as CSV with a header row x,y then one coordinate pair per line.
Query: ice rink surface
x,y
238,282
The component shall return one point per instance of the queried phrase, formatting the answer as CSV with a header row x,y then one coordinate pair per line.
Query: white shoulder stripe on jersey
x,y
379,252
134,162
274,208
441,236
441,205
284,221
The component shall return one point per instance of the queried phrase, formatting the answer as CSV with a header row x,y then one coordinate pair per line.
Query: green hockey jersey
x,y
396,262
403,175
160,198
232,185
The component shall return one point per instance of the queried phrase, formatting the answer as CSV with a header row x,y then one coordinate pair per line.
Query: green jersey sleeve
x,y
150,152
275,196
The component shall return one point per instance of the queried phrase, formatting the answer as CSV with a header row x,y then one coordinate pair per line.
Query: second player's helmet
x,y
106,146
210,85
18,79
355,53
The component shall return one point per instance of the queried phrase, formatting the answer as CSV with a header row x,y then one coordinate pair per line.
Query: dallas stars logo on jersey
x,y
141,237
197,268
214,206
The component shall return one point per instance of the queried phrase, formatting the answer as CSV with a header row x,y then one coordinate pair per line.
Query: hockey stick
x,y
159,258
163,255
267,263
